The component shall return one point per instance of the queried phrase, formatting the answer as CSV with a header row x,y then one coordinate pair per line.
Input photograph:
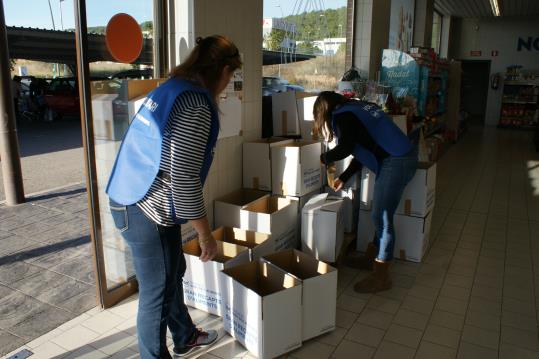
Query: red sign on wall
x,y
475,53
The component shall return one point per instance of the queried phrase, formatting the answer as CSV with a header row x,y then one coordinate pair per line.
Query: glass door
x,y
118,55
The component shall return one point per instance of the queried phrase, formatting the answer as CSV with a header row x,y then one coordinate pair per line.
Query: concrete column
x,y
446,36
371,35
424,11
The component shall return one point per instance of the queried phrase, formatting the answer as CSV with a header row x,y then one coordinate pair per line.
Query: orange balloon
x,y
124,38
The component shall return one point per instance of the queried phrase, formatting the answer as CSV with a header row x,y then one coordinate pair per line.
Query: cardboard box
x,y
350,206
103,116
134,105
230,117
419,196
188,233
305,104
257,162
342,165
295,168
302,201
259,244
412,235
272,215
319,286
226,209
285,114
262,308
201,287
322,228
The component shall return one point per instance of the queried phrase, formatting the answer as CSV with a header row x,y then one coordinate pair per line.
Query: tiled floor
x,y
474,296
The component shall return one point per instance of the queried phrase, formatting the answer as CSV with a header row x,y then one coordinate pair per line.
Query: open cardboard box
x,y
201,280
262,308
295,168
272,215
259,244
257,162
319,285
285,114
322,228
226,209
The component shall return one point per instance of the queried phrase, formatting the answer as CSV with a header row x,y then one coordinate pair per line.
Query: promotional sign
x,y
401,28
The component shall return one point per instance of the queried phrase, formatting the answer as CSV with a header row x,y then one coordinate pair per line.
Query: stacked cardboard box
x,y
293,114
412,218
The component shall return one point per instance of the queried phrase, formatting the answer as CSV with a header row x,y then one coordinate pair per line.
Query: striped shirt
x,y
184,144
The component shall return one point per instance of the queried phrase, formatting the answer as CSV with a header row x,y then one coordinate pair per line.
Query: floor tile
x,y
313,350
113,341
485,306
403,335
430,350
455,292
375,319
481,337
451,305
75,338
389,350
459,280
424,292
384,304
9,342
472,351
520,338
366,335
86,352
103,322
411,319
519,321
345,319
517,306
443,336
348,349
332,338
483,320
418,305
49,350
508,351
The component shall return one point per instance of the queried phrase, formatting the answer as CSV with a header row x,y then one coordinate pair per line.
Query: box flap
x,y
242,197
268,204
225,251
299,264
249,239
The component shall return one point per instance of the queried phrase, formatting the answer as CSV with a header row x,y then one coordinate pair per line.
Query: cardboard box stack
x,y
257,162
412,218
293,114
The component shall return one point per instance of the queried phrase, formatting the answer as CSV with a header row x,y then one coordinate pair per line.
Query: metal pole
x,y
61,15
83,73
9,144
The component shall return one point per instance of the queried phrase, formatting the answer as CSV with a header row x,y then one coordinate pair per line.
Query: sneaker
x,y
201,339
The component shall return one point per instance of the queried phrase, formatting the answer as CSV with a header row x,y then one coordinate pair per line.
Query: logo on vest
x,y
151,105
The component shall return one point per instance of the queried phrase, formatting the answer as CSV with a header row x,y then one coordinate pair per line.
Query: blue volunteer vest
x,y
138,160
382,130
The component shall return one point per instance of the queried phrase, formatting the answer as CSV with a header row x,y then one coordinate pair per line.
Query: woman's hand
x,y
337,185
208,248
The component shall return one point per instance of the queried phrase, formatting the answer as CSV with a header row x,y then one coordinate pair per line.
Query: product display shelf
x,y
520,109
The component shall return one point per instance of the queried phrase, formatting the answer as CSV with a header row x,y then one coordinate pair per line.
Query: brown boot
x,y
377,281
364,262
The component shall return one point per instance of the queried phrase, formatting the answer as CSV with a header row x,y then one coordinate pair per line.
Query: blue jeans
x,y
159,267
394,174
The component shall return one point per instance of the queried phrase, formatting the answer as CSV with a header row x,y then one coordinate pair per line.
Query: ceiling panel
x,y
482,8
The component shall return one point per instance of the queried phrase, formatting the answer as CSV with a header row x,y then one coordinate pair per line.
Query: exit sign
x,y
475,53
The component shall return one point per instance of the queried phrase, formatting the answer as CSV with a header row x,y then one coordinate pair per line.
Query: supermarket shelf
x,y
435,129
521,83
519,102
523,128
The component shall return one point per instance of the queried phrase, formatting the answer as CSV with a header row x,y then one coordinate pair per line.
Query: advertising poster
x,y
401,28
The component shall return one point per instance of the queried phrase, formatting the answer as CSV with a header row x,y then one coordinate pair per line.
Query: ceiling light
x,y
495,7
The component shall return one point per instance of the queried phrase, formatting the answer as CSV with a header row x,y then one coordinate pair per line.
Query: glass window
x,y
304,44
436,31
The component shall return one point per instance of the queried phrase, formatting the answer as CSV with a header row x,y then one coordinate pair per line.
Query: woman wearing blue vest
x,y
364,131
156,185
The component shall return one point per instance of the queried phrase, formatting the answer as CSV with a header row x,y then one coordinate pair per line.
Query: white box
x,y
226,209
257,162
322,228
272,215
262,308
230,117
305,105
342,165
259,244
134,105
285,114
412,235
295,168
103,116
419,196
302,201
349,198
319,285
201,287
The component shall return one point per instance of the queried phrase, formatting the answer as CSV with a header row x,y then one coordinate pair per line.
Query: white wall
x,y
487,35
241,21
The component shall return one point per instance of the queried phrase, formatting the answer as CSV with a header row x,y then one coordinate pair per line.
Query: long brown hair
x,y
207,60
325,104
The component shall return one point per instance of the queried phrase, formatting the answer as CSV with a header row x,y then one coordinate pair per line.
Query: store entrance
x,y
474,91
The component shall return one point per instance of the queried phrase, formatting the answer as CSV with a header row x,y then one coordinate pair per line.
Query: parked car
x,y
271,85
133,74
62,96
